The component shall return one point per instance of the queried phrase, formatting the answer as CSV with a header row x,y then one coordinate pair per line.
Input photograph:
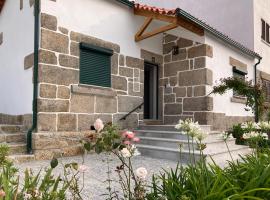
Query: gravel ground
x,y
94,185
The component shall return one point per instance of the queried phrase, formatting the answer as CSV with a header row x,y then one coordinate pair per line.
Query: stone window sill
x,y
237,99
93,90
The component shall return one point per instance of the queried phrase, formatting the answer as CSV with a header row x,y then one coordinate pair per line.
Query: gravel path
x,y
96,175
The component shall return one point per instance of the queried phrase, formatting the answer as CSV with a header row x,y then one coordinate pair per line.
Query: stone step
x,y
12,137
152,122
5,128
21,158
161,134
16,148
206,128
219,156
174,143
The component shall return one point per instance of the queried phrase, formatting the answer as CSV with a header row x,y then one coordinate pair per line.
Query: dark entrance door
x,y
150,91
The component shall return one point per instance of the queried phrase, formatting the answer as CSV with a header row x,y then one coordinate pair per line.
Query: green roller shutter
x,y
95,65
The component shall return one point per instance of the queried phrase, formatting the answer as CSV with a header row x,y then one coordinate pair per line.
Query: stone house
x,y
123,62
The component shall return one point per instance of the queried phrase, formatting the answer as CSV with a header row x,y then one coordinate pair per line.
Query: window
x,y
95,65
266,89
240,75
265,32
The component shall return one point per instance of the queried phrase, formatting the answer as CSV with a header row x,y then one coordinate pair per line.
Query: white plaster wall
x,y
220,65
232,17
15,82
105,19
262,11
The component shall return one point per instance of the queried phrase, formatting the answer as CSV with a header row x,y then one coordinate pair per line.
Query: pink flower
x,y
130,135
127,142
83,168
2,193
98,125
124,134
136,139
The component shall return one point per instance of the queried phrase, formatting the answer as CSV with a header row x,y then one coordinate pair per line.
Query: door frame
x,y
157,66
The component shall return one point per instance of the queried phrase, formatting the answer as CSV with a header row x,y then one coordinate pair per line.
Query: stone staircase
x,y
15,137
162,141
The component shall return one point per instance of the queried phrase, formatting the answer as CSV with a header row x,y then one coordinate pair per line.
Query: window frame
x,y
240,74
99,50
265,31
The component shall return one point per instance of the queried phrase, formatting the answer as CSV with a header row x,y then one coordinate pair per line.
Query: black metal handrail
x,y
138,107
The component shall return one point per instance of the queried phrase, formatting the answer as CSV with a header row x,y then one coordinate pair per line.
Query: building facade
x,y
96,61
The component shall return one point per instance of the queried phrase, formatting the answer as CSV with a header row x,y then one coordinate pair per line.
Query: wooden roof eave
x,y
173,20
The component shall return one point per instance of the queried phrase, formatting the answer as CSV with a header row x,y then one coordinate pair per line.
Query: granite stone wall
x,y
64,104
185,78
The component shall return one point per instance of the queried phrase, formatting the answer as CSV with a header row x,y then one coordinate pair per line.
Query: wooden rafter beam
x,y
155,32
171,19
146,23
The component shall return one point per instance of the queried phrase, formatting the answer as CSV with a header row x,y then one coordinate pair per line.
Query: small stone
x,y
133,102
180,91
46,105
200,63
82,103
173,109
119,83
122,60
171,69
69,61
134,62
114,64
169,38
47,91
199,91
105,105
48,22
46,122
167,48
189,92
47,57
125,71
66,122
63,30
63,92
169,98
198,104
203,76
182,55
201,50
183,43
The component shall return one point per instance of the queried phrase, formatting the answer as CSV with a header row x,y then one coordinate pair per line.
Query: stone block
x,y
189,92
131,121
63,30
69,61
114,64
29,61
169,38
54,41
171,69
125,71
66,122
56,75
63,92
173,109
134,62
169,98
122,60
191,64
179,100
167,48
48,21
200,63
86,121
135,89
198,104
47,105
195,77
128,103
151,57
167,58
46,122
168,90
119,83
78,37
163,82
201,50
74,49
105,105
82,103
171,119
182,55
47,91
173,81
180,91
183,43
199,91
47,57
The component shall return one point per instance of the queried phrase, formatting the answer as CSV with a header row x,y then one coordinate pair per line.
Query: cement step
x,y
161,134
5,128
220,157
21,158
206,128
12,137
174,143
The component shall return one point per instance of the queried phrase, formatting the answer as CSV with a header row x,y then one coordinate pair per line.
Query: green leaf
x,y
88,146
54,163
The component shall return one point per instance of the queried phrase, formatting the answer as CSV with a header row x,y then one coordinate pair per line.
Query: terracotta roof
x,y
154,9
2,2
